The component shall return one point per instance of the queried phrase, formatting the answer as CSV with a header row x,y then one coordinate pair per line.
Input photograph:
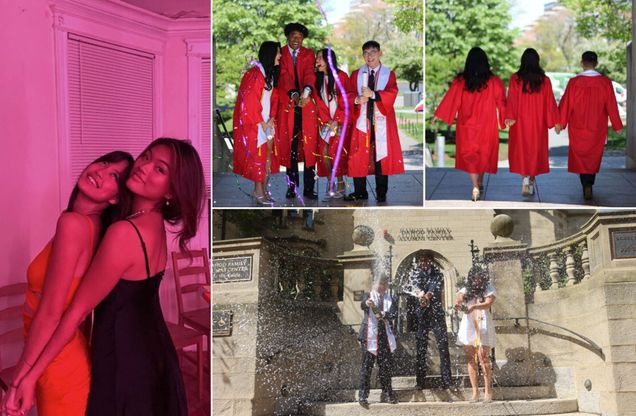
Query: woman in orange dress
x,y
54,276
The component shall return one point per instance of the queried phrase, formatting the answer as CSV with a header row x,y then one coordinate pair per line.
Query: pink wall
x,y
29,161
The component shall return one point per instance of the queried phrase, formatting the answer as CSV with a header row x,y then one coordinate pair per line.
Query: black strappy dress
x,y
135,370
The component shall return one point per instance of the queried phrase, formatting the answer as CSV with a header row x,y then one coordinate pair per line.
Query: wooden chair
x,y
185,267
11,316
193,325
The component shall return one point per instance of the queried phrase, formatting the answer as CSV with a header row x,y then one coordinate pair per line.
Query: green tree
x,y
240,26
607,25
409,15
452,28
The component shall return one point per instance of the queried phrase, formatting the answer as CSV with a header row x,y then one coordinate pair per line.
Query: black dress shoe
x,y
419,387
291,193
364,403
587,192
381,198
356,197
388,398
310,195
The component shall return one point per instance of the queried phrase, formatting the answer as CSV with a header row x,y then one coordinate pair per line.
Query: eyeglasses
x,y
370,52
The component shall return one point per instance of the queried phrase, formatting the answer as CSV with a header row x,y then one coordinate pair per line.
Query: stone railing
x,y
569,261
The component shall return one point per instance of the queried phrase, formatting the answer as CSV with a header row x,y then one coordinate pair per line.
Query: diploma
x,y
365,79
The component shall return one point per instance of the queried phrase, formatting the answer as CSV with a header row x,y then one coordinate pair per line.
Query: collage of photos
x,y
423,208
318,208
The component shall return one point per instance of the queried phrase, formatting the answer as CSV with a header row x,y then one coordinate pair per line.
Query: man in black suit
x,y
430,316
378,340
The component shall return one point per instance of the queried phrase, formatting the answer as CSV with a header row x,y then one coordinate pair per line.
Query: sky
x,y
523,11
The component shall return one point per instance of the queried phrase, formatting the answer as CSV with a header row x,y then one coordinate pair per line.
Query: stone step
x,y
458,395
431,381
496,408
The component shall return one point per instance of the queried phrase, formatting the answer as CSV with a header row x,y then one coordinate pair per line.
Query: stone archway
x,y
405,265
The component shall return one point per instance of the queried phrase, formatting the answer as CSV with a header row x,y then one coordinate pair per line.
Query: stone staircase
x,y
525,400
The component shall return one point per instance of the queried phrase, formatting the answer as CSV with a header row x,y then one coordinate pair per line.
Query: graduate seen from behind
x,y
530,111
476,330
477,99
584,108
377,340
375,142
297,130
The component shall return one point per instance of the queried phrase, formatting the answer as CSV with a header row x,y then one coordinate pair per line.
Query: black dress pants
x,y
384,361
438,326
381,181
292,173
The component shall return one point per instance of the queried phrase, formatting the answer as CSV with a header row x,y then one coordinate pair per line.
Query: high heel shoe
x,y
476,194
262,200
525,186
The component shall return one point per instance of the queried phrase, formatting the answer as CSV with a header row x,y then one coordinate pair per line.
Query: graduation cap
x,y
296,27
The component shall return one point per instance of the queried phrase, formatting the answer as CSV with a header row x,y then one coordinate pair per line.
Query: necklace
x,y
136,214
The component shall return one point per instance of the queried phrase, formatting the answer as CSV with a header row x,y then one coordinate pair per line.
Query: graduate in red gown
x,y
297,130
331,120
477,98
530,111
586,104
255,153
375,142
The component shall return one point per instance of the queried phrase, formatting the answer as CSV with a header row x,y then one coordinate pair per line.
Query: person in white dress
x,y
476,330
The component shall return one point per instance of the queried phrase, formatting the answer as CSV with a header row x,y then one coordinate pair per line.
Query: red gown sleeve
x,y
514,91
306,73
612,108
447,109
388,94
551,109
323,110
249,97
500,100
565,105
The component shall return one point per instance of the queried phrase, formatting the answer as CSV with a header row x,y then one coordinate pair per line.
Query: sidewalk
x,y
557,189
615,186
230,190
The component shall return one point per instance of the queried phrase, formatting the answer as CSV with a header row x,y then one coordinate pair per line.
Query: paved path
x,y
559,188
231,190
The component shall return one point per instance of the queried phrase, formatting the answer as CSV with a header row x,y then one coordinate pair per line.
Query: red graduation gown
x,y
477,140
250,161
308,146
361,161
534,113
585,106
324,117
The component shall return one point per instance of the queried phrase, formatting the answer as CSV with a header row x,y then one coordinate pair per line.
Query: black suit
x,y
432,318
384,356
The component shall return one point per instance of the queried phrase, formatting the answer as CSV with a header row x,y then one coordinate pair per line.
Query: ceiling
x,y
175,9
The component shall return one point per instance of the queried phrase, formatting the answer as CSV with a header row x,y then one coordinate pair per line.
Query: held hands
x,y
20,400
558,128
303,101
367,92
361,99
434,120
509,122
370,303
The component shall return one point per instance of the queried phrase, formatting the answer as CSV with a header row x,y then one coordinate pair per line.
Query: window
x,y
110,97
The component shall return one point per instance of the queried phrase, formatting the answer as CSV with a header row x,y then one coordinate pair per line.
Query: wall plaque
x,y
231,269
425,234
623,241
357,295
222,323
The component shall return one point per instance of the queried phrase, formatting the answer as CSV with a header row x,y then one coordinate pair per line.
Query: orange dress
x,y
63,387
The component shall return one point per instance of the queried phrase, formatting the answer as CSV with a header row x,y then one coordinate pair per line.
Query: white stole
x,y
372,324
381,78
265,104
332,104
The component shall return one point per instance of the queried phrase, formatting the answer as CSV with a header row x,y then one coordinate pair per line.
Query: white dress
x,y
478,318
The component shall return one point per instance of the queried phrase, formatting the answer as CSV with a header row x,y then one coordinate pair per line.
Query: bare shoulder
x,y
118,233
72,224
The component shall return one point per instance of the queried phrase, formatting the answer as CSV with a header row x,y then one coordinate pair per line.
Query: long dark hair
x,y
187,186
476,70
530,71
331,81
266,56
476,289
122,208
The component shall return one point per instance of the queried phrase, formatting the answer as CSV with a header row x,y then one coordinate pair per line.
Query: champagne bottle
x,y
376,311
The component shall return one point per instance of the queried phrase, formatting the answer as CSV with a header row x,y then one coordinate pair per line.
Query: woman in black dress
x,y
135,367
